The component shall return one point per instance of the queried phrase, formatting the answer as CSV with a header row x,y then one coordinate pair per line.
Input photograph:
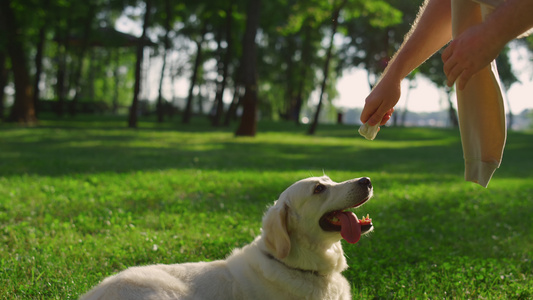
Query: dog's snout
x,y
364,182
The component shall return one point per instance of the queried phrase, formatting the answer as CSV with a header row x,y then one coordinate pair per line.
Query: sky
x,y
353,89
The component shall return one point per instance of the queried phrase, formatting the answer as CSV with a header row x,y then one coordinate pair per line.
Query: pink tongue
x,y
350,227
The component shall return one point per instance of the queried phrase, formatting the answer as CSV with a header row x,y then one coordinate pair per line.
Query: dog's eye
x,y
319,188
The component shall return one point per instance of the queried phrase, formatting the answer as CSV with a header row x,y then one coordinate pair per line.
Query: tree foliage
x,y
76,60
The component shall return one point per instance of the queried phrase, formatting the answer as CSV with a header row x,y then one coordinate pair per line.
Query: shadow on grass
x,y
60,152
88,147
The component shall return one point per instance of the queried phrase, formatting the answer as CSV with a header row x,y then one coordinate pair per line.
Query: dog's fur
x,y
293,258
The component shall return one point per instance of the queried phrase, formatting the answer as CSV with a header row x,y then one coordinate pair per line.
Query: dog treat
x,y
369,132
365,220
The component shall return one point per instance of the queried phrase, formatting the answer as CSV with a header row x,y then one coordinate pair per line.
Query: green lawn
x,y
80,200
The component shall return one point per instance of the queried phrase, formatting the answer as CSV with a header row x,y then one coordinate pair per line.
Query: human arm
x,y
476,47
430,32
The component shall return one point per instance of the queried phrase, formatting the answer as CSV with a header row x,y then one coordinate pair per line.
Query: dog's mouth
x,y
347,223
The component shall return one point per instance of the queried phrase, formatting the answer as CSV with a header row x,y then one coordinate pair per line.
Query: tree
x,y
83,47
248,124
39,57
312,16
325,71
62,31
132,121
187,112
166,42
23,110
432,69
224,61
411,84
507,78
3,73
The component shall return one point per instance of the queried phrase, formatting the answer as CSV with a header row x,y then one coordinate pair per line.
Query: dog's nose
x,y
365,182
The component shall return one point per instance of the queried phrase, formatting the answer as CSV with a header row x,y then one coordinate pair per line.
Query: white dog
x,y
297,256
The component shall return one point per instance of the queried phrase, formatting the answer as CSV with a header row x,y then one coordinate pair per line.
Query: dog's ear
x,y
275,231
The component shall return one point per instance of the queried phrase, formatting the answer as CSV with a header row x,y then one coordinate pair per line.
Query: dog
x,y
298,254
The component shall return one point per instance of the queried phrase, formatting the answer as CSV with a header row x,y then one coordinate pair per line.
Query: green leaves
x,y
317,13
381,14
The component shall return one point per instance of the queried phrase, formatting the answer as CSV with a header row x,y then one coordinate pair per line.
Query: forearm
x,y
430,32
509,20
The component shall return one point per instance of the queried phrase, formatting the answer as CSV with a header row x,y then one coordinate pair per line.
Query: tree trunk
x,y
3,81
225,64
61,57
452,114
81,55
306,62
510,116
38,67
132,121
94,66
159,106
166,41
231,114
23,110
200,96
218,57
187,113
248,125
336,13
116,75
174,73
291,79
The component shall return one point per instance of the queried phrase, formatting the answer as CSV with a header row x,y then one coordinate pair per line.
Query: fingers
x,y
464,57
379,105
376,118
456,73
371,118
386,117
454,69
368,115
453,74
381,118
365,115
447,53
451,68
464,78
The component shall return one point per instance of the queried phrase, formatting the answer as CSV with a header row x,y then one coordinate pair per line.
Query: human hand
x,y
471,51
379,105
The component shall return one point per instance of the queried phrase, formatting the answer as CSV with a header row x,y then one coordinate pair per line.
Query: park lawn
x,y
83,199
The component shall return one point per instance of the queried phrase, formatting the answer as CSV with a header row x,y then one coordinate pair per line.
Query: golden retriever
x,y
297,256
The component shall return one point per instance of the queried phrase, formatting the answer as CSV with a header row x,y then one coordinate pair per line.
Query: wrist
x,y
392,76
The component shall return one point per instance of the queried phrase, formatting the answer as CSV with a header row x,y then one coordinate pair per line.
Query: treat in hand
x,y
369,132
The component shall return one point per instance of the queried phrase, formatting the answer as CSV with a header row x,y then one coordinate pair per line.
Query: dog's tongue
x,y
350,227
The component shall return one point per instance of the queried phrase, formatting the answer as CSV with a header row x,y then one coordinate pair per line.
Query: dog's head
x,y
314,212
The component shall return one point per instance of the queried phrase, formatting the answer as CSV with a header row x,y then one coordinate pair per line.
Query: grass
x,y
82,199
